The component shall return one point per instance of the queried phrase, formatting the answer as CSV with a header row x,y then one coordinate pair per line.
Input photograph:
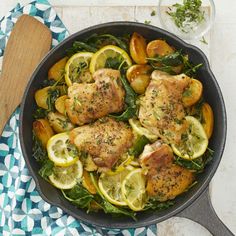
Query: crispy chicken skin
x,y
88,102
161,109
105,140
165,180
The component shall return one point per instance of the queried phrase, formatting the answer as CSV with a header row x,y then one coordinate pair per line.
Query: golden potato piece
x,y
139,77
60,104
158,47
169,182
87,183
41,96
57,70
208,118
59,122
193,93
42,130
138,48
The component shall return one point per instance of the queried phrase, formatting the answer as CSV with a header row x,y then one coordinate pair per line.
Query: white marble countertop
x,y
222,54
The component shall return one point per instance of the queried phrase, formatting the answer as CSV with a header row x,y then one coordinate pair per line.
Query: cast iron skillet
x,y
195,203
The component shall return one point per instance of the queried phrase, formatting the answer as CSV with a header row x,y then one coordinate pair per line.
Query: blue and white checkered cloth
x,y
22,210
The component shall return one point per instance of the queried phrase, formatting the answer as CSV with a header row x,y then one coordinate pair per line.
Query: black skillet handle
x,y
202,212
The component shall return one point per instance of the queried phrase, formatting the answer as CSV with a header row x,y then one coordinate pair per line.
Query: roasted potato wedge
x,y
41,96
87,183
138,48
208,119
59,122
57,70
193,93
60,104
169,182
42,130
158,47
140,83
139,77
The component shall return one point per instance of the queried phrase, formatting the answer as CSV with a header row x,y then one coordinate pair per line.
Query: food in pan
x,y
121,124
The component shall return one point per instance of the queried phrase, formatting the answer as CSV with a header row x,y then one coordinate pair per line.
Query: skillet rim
x,y
214,164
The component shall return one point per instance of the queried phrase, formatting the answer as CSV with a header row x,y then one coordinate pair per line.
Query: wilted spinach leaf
x,y
138,146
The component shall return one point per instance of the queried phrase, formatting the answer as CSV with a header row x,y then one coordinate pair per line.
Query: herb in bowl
x,y
188,15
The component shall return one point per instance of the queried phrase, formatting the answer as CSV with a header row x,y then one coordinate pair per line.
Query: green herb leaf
x,y
147,22
153,13
203,40
38,151
46,169
138,146
154,204
79,196
130,101
197,164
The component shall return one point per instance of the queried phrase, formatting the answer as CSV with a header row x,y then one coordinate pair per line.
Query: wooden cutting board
x,y
28,43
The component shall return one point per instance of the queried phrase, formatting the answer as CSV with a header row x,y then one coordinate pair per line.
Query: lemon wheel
x,y
140,130
59,150
134,191
195,140
76,65
99,58
66,177
110,186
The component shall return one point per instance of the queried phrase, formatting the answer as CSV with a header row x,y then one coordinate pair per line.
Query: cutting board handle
x,y
202,212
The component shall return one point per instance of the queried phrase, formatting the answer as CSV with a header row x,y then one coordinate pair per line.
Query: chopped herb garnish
x,y
153,13
203,40
188,15
147,22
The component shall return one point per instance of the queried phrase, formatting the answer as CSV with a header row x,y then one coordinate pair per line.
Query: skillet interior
x,y
212,94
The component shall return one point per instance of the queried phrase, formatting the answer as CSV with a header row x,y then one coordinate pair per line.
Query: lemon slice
x,y
76,66
195,141
99,59
59,150
140,130
110,186
134,191
66,177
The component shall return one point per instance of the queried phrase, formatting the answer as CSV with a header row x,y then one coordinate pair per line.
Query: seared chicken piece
x,y
105,140
161,109
165,180
88,102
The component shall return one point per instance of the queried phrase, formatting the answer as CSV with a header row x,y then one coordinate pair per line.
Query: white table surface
x,y
222,54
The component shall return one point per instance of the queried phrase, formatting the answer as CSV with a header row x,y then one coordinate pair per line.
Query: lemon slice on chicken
x,y
195,140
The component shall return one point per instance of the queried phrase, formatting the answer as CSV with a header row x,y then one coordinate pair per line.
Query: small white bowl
x,y
199,30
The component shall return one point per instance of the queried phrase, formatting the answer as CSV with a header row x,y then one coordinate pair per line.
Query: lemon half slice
x,y
59,150
66,177
134,191
195,141
77,66
140,130
110,186
99,58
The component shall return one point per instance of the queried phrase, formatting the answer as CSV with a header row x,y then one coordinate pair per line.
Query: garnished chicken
x,y
105,140
161,109
88,102
165,180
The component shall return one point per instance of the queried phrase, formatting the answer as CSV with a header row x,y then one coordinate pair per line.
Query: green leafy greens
x,y
138,146
130,101
197,164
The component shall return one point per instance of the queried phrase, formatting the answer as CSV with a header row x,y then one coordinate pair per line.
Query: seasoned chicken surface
x,y
88,102
161,109
165,180
105,140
